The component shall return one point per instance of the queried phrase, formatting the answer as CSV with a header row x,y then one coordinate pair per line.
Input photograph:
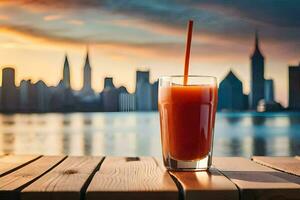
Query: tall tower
x,y
294,87
9,91
257,75
87,77
143,91
66,74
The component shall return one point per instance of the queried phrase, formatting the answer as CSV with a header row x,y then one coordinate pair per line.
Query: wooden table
x,y
98,178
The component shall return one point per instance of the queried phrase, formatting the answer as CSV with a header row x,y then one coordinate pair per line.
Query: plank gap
x,y
237,187
90,178
33,180
19,166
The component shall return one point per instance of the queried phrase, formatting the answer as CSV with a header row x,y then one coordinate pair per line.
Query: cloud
x,y
277,19
165,50
35,34
76,22
218,23
52,17
279,13
4,17
60,4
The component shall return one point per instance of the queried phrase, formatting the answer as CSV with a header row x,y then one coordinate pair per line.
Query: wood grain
x,y
132,178
10,163
11,184
258,182
285,164
206,185
65,181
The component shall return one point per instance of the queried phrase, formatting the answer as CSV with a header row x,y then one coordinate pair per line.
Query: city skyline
x,y
35,35
87,64
38,97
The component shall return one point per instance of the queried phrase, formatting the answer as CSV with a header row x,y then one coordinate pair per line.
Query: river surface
x,y
135,134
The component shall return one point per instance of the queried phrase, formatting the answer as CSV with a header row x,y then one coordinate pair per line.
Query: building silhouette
x,y
38,97
257,79
154,94
24,95
57,97
269,90
9,93
109,96
231,95
66,74
87,78
63,98
126,100
143,91
294,87
268,103
42,96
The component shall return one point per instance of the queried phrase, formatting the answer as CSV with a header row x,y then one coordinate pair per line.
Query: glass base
x,y
193,165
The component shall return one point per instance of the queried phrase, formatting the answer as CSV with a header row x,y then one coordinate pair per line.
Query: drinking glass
x,y
187,118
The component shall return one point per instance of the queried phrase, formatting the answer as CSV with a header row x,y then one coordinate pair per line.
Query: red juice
x,y
187,115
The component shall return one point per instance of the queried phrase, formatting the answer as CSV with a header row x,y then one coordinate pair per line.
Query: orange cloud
x,y
4,17
201,36
35,35
76,22
52,17
171,50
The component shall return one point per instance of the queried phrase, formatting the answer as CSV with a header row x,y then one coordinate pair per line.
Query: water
x,y
136,134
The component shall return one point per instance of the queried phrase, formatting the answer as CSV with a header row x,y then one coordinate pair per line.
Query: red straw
x,y
187,52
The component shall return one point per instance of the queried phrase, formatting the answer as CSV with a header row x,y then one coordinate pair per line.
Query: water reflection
x,y
258,120
259,146
136,134
8,142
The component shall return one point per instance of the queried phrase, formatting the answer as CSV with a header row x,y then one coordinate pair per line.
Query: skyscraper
x,y
66,74
154,94
43,96
24,95
268,103
143,91
231,95
257,75
142,76
87,71
109,96
9,96
269,90
294,87
126,100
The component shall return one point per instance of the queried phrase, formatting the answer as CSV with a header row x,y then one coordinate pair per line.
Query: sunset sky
x,y
124,36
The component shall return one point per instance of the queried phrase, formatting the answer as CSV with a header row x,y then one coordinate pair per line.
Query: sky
x,y
123,36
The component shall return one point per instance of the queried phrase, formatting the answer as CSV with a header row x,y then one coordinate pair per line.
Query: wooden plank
x,y
10,163
132,178
66,181
258,182
286,164
11,184
206,185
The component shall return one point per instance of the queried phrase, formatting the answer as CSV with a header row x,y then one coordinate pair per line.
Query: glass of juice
x,y
187,118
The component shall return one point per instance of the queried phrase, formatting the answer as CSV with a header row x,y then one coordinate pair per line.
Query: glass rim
x,y
182,76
